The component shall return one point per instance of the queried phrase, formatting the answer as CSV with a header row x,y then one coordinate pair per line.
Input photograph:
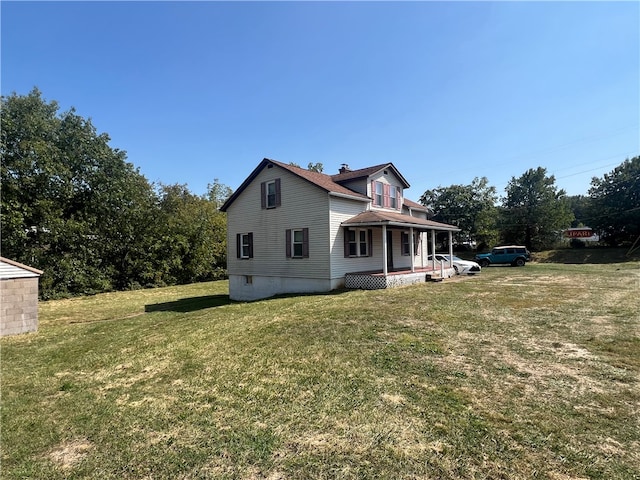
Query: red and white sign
x,y
578,233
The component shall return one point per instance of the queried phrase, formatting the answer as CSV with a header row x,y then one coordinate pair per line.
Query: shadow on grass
x,y
192,304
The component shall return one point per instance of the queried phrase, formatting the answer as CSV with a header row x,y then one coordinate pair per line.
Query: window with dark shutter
x,y
244,245
358,242
297,243
270,194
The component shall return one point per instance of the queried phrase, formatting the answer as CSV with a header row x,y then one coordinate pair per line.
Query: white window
x,y
297,243
271,194
245,245
362,243
393,196
379,194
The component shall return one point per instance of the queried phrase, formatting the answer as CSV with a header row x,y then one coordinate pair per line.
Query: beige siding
x,y
341,210
303,205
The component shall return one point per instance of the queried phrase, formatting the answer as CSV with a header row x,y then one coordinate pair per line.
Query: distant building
x,y
18,297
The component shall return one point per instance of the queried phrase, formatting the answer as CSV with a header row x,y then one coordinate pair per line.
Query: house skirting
x,y
255,287
377,281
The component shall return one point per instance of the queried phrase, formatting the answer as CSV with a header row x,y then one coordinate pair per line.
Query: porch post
x,y
384,250
433,249
422,252
450,249
411,248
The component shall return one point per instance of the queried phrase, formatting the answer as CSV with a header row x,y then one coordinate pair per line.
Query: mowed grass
x,y
523,373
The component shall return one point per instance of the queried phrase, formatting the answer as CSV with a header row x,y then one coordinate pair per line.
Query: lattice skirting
x,y
364,281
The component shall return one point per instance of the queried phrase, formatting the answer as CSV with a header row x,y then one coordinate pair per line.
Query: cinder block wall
x,y
19,305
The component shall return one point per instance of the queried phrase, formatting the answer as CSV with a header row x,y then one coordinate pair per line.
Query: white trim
x,y
344,195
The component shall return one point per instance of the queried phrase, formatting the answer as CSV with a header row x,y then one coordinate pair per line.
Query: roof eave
x,y
350,197
391,223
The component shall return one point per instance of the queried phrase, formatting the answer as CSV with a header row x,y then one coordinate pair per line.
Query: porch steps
x,y
437,276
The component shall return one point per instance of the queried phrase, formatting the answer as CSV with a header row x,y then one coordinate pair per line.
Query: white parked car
x,y
462,267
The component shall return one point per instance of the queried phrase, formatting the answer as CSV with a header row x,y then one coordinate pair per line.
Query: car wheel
x,y
520,262
484,263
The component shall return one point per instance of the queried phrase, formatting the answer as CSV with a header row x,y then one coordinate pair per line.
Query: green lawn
x,y
524,373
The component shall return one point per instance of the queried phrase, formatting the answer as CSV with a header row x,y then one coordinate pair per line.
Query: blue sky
x,y
447,91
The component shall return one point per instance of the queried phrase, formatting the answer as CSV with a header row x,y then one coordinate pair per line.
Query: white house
x,y
292,230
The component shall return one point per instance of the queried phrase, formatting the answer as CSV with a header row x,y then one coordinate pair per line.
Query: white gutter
x,y
344,195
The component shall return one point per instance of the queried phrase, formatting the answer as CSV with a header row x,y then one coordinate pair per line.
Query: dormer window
x,y
378,194
393,196
385,195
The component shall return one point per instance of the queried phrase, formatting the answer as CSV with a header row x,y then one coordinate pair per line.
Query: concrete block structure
x,y
18,297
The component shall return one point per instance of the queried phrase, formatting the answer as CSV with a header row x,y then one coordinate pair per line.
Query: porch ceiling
x,y
377,218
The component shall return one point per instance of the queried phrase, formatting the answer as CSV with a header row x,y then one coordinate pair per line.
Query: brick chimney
x,y
344,168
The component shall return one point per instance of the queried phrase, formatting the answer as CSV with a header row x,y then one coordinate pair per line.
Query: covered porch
x,y
418,242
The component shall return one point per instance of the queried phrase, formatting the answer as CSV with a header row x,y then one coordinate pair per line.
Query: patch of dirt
x,y
393,399
563,476
69,454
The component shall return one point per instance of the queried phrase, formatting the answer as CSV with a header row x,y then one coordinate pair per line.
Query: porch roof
x,y
377,218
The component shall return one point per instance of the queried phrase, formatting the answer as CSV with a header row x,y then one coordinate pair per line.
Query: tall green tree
x,y
615,199
580,206
71,205
534,212
218,193
191,241
472,208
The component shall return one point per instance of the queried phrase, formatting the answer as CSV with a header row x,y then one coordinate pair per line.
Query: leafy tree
x,y
315,167
191,245
75,208
71,204
218,193
469,207
534,212
616,203
580,205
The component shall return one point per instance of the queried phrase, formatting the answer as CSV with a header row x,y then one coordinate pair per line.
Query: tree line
x,y
534,212
76,208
